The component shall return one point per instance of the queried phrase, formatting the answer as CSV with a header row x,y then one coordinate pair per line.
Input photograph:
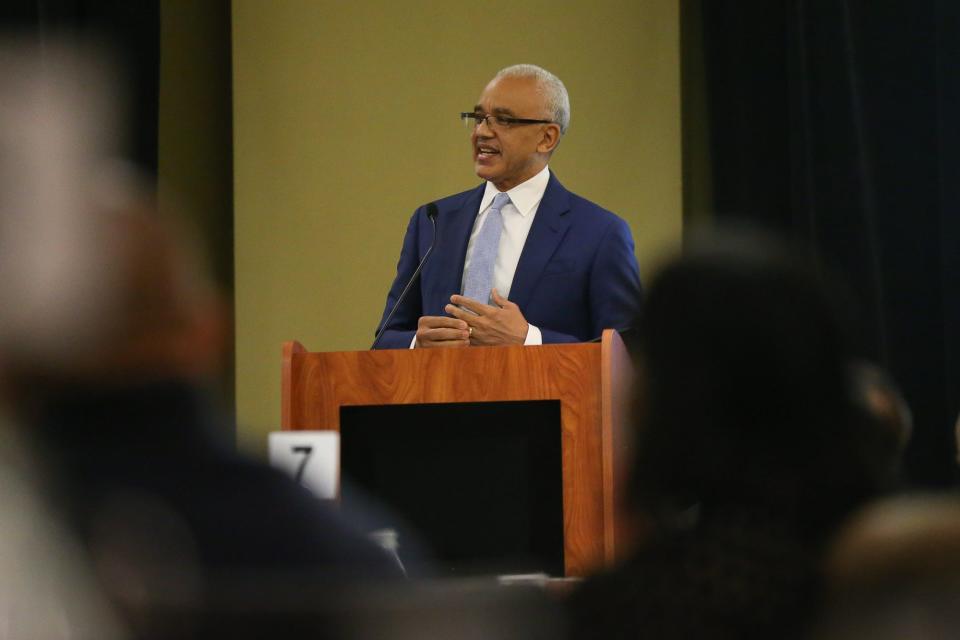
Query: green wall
x,y
195,137
345,121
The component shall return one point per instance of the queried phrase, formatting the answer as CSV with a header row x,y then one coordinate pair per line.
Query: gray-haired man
x,y
520,259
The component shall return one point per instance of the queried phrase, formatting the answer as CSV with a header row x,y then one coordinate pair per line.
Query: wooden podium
x,y
592,382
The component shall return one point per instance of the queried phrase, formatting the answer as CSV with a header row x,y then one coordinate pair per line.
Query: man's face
x,y
510,155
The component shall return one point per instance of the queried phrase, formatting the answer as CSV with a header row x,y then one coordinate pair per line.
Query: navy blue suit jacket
x,y
577,273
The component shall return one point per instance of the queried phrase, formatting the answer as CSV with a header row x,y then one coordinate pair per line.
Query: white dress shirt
x,y
518,217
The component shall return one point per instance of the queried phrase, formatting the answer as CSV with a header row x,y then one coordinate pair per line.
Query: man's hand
x,y
440,331
497,324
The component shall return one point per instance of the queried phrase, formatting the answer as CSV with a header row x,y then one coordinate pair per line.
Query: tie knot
x,y
499,201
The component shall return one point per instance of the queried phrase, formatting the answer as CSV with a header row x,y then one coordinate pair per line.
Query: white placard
x,y
312,458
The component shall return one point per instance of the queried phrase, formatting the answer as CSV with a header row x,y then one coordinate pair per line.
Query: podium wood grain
x,y
591,381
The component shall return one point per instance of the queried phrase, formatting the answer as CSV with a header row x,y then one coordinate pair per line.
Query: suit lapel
x,y
454,226
548,229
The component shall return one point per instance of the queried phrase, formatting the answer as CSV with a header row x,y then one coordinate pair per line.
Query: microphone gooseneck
x,y
432,212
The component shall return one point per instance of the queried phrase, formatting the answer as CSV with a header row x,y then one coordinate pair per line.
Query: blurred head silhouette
x,y
744,395
97,285
158,318
894,571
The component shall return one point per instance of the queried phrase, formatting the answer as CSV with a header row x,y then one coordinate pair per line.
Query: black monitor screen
x,y
478,484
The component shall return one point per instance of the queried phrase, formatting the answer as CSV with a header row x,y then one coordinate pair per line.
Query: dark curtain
x,y
129,30
837,124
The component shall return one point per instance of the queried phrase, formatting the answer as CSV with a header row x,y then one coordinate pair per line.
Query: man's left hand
x,y
501,323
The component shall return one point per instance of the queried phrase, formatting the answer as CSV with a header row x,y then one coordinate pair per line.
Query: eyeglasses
x,y
473,119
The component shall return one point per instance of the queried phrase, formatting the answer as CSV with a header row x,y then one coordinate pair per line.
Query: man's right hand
x,y
441,331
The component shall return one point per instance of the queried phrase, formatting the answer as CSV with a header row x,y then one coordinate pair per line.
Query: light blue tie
x,y
479,279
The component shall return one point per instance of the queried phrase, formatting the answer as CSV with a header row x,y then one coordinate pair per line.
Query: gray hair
x,y
555,93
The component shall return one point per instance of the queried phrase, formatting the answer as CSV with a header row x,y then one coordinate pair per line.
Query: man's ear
x,y
550,138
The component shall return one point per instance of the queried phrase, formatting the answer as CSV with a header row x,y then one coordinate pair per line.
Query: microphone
x,y
432,215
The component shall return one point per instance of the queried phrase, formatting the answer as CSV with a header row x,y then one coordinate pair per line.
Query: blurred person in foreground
x,y
171,517
47,586
112,479
47,589
748,451
894,572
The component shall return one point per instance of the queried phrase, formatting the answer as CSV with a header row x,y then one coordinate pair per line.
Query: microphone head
x,y
432,211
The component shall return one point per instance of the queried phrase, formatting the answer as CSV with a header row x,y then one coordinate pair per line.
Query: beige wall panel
x,y
345,121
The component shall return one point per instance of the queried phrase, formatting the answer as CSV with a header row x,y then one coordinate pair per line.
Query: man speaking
x,y
519,259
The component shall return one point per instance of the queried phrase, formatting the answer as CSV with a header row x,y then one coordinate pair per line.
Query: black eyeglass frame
x,y
503,121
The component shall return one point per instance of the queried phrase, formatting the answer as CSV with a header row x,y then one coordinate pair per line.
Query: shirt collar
x,y
524,196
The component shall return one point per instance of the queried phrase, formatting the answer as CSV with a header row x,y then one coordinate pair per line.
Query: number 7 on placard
x,y
307,451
